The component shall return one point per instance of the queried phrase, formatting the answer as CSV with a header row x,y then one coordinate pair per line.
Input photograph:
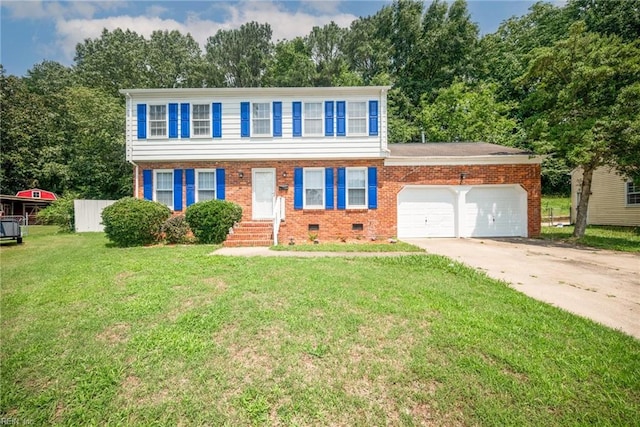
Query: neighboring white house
x,y
614,199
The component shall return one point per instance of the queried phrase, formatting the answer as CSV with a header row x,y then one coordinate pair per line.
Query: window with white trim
x,y
313,118
201,120
633,193
157,120
164,187
356,118
313,191
36,194
205,185
356,187
261,117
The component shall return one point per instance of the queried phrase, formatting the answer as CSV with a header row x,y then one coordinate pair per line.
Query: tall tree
x,y
578,108
291,65
611,17
95,132
115,60
464,113
326,46
173,60
240,56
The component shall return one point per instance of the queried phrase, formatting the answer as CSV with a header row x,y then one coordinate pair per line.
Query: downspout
x,y
129,137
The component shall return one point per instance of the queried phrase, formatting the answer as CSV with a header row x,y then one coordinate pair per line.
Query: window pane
x,y
261,111
165,197
157,112
206,180
314,197
313,179
206,195
201,112
357,126
355,179
357,109
164,181
356,197
357,113
262,127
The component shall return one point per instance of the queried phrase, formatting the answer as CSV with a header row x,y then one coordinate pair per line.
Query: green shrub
x,y
134,222
61,213
210,221
175,229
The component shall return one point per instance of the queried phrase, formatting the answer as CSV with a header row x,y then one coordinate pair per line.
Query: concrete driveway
x,y
601,285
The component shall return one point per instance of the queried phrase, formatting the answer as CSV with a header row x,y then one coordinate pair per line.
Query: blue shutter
x,y
220,186
373,187
190,177
173,120
216,115
340,118
244,119
328,188
297,188
177,188
342,190
277,118
184,121
147,183
373,118
142,121
328,118
297,118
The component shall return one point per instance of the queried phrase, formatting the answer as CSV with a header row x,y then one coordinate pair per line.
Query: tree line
x,y
561,80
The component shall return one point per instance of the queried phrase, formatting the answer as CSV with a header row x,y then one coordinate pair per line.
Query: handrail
x,y
277,217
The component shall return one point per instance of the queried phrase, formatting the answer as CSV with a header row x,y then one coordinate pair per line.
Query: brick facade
x,y
379,223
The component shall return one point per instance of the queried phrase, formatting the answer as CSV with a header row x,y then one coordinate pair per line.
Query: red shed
x,y
36,193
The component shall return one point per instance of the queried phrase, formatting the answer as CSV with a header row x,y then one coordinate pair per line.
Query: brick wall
x,y
380,222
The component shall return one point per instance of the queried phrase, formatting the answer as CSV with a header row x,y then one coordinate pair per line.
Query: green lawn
x,y
174,336
625,239
555,206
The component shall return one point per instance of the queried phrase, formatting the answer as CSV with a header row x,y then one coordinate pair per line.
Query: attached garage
x,y
462,211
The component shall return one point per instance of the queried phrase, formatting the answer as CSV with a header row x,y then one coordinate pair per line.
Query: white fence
x,y
88,214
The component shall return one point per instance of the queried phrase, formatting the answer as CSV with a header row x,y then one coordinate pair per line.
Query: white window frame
x,y
366,188
267,119
197,183
628,186
155,185
193,121
36,195
166,121
305,132
305,205
365,118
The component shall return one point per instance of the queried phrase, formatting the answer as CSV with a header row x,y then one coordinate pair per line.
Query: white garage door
x,y
426,212
480,211
495,212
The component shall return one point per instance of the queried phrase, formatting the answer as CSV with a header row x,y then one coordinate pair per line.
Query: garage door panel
x,y
494,212
426,212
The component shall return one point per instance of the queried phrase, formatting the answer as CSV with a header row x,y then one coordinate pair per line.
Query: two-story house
x,y
306,162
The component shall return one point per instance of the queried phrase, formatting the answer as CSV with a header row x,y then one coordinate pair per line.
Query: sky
x,y
32,31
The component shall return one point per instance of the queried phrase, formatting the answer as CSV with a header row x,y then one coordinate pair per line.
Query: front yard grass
x,y
170,335
626,239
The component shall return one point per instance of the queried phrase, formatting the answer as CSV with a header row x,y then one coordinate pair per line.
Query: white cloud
x,y
285,24
38,9
324,6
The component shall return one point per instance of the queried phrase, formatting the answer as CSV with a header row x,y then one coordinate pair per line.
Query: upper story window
x,y
261,116
633,193
36,194
205,185
313,182
313,118
356,188
164,187
158,120
201,120
357,118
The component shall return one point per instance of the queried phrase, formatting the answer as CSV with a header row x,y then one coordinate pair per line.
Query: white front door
x,y
263,191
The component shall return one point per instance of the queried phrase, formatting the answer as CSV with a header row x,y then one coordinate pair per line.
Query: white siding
x,y
608,201
231,146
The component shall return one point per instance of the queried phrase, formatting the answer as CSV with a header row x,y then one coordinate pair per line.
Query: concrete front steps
x,y
250,233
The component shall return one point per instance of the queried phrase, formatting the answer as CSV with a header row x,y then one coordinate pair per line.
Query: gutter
x,y
128,140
